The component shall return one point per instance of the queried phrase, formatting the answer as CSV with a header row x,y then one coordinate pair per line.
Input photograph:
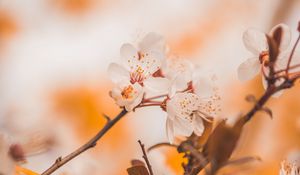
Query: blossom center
x,y
264,58
137,76
127,92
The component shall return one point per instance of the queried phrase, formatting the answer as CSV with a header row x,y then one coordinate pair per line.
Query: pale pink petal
x,y
283,60
170,130
157,84
248,69
203,87
286,35
152,41
182,127
151,62
118,73
198,125
255,41
129,56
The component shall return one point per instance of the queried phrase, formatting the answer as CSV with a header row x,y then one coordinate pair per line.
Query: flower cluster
x,y
185,94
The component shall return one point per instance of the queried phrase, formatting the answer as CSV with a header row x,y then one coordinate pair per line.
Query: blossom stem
x,y
146,105
90,144
291,55
155,97
291,67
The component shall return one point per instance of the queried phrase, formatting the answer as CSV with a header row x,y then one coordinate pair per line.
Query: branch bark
x,y
90,144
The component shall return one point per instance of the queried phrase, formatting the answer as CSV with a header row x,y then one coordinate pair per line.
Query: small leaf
x,y
268,111
222,142
277,35
273,50
136,162
137,170
242,160
250,98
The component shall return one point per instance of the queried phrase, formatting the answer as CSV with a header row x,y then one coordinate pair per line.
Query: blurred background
x,y
54,87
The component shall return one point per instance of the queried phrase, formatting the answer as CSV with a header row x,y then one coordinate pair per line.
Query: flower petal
x,y
157,84
152,41
203,87
117,73
182,127
129,56
151,62
286,35
170,130
198,125
248,69
255,41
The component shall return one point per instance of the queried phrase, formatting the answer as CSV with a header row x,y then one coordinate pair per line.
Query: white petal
x,y
255,41
157,84
151,62
170,130
198,125
152,41
282,61
248,69
286,35
203,87
182,127
117,73
136,95
182,105
129,56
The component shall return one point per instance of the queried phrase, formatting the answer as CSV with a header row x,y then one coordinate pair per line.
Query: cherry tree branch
x,y
90,144
146,157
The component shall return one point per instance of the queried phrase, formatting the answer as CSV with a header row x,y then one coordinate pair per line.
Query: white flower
x,y
288,168
137,68
256,42
179,72
186,112
128,95
138,65
7,165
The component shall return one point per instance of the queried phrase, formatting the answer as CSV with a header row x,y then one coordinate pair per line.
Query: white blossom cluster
x,y
187,97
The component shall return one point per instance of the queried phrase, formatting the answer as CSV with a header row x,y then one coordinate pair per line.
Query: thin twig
x,y
161,144
146,158
291,55
90,144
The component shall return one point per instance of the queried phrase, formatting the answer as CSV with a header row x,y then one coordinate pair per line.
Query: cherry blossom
x,y
186,112
7,164
128,95
256,42
138,65
179,72
136,71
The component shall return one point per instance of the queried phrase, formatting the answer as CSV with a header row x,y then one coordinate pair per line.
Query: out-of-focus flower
x,y
289,168
186,112
24,171
256,42
7,162
128,95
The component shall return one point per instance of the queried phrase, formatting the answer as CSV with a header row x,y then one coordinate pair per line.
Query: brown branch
x,y
161,144
90,144
146,158
291,55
